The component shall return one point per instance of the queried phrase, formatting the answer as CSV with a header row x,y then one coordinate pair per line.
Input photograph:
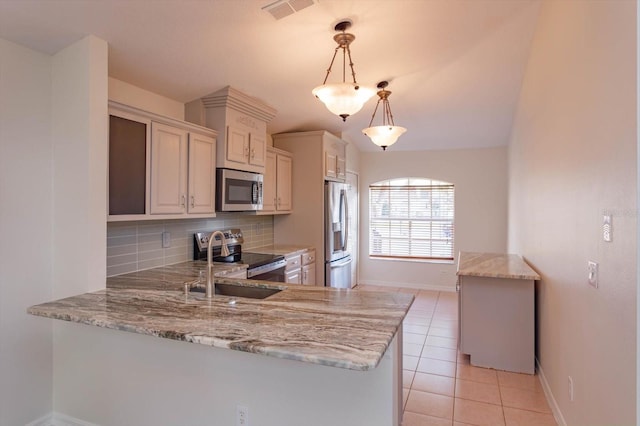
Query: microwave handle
x,y
256,193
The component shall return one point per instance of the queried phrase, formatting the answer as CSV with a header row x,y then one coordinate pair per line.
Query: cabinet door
x,y
341,167
293,277
309,274
257,150
330,164
168,169
269,184
202,174
128,140
283,182
237,145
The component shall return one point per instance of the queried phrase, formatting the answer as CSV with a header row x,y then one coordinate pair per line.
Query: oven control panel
x,y
233,237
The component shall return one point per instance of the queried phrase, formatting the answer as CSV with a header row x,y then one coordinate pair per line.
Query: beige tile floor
x,y
442,388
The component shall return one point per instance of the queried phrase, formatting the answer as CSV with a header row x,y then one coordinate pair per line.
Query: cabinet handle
x,y
183,200
193,201
279,201
310,258
246,152
253,153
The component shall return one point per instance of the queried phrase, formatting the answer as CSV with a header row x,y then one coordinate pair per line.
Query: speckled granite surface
x,y
494,265
340,328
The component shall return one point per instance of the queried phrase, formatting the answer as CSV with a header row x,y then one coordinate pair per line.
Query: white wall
x,y
572,157
131,95
79,132
123,378
26,207
480,179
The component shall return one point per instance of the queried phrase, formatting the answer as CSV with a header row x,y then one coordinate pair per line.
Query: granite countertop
x,y
349,329
495,265
282,249
171,277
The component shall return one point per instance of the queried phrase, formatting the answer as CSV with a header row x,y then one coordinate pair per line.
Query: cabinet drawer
x,y
308,257
293,277
293,262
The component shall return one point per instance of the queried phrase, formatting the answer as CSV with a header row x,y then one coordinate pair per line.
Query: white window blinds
x,y
411,218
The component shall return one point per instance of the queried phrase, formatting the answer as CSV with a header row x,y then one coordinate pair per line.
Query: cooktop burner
x,y
255,260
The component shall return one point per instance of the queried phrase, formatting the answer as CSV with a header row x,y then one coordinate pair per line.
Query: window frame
x,y
441,213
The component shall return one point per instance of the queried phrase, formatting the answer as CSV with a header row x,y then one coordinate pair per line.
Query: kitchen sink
x,y
249,292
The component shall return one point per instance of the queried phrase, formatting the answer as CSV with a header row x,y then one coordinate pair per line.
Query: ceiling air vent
x,y
283,8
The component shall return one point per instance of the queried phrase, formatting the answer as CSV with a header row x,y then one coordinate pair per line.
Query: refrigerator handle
x,y
346,220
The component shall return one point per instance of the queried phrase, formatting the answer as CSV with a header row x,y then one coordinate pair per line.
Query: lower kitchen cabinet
x,y
497,311
301,268
293,269
309,267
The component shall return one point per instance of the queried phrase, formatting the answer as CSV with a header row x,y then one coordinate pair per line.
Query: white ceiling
x,y
455,66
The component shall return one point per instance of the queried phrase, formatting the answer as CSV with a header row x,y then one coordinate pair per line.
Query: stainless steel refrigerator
x,y
336,236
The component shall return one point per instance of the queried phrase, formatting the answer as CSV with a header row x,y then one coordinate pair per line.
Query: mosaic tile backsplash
x,y
136,246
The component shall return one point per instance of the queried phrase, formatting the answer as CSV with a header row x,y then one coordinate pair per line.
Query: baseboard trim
x,y
59,419
46,420
555,409
415,286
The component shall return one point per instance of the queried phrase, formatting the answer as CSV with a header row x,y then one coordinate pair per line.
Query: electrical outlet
x,y
242,416
570,389
593,274
166,239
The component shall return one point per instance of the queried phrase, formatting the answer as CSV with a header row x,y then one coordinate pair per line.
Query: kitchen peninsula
x,y
246,353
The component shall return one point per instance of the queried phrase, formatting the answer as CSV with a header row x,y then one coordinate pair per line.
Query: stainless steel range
x,y
267,267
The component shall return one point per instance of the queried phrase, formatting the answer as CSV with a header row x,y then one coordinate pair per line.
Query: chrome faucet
x,y
225,252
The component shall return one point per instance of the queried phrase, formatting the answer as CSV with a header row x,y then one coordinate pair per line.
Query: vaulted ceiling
x,y
455,67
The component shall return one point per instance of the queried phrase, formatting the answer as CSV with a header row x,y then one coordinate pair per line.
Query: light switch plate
x,y
593,274
607,233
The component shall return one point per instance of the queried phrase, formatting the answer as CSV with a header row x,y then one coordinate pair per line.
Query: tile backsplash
x,y
135,246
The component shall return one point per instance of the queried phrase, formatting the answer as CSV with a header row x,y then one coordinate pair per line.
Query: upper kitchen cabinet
x,y
277,182
241,121
182,171
159,168
335,158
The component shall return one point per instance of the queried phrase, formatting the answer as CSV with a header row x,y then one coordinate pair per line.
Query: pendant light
x,y
388,133
343,99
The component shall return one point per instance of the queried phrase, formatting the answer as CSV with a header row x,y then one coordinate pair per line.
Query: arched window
x,y
411,218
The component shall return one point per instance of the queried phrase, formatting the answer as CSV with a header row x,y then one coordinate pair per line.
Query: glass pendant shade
x,y
384,136
343,99
388,133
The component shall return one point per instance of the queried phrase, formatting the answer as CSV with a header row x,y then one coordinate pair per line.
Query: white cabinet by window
x,y
277,182
159,168
243,121
182,171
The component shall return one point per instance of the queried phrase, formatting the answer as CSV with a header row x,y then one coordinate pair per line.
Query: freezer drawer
x,y
338,273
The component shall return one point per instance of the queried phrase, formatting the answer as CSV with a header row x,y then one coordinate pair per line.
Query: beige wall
x,y
131,95
573,157
480,179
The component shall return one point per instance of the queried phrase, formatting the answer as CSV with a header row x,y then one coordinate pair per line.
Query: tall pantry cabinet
x,y
319,156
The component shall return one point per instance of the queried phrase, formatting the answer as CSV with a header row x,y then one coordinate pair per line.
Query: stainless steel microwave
x,y
238,191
